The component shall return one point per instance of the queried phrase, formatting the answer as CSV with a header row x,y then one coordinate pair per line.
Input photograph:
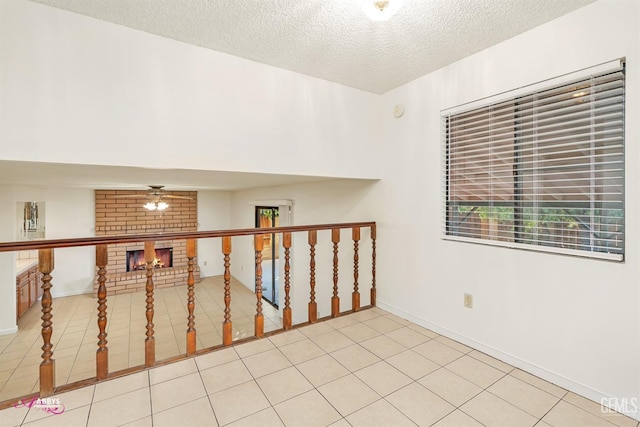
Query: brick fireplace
x,y
118,216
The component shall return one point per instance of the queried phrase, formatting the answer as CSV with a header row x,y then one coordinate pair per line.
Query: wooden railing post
x,y
286,311
335,299
150,341
373,265
355,297
258,241
102,354
47,366
191,330
313,306
227,326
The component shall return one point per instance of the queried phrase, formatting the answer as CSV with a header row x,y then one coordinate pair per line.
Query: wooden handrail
x,y
134,238
46,265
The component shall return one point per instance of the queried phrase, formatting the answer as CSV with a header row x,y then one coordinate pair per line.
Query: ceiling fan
x,y
155,196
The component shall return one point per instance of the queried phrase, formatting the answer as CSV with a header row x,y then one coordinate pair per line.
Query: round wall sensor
x,y
398,111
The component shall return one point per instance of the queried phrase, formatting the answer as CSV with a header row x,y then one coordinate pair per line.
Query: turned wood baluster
x,y
373,265
47,367
150,341
258,241
355,297
102,354
227,328
191,330
335,299
313,306
286,312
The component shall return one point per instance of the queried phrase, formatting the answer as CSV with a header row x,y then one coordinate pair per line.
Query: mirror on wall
x,y
30,217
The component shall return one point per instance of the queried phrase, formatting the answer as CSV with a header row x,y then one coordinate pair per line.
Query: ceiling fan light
x,y
380,10
161,206
150,206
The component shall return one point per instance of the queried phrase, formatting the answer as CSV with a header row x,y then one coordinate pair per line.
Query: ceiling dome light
x,y
380,10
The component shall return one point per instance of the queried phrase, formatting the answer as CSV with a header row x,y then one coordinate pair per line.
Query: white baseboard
x,y
632,410
70,294
8,331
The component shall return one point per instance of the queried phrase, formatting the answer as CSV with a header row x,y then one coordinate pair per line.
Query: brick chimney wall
x,y
117,215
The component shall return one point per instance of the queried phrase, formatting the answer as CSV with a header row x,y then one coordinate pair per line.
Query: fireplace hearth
x,y
163,259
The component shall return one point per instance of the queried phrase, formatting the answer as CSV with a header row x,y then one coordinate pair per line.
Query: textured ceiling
x,y
333,39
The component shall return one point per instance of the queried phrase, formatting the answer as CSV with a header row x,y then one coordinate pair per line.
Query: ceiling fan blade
x,y
171,196
154,193
131,196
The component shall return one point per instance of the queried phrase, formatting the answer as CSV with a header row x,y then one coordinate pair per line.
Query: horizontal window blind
x,y
541,170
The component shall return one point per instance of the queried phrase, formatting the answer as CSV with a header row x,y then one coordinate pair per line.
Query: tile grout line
x,y
206,391
590,413
93,396
546,413
150,396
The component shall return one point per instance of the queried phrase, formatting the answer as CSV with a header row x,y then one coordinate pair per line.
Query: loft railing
x,y
46,266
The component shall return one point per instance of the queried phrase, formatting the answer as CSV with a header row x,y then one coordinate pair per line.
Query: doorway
x,y
269,217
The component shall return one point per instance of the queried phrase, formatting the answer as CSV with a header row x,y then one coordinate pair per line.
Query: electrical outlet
x,y
468,300
205,263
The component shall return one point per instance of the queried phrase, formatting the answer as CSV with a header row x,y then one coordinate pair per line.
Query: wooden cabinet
x,y
23,296
35,285
28,289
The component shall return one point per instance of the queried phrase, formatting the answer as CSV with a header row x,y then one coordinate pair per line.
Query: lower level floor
x,y
75,332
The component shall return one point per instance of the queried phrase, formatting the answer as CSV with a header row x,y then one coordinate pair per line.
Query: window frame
x,y
517,215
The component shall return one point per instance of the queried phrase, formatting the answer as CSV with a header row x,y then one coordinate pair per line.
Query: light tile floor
x,y
75,332
371,368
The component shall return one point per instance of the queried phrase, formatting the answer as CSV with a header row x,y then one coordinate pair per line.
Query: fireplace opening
x,y
163,259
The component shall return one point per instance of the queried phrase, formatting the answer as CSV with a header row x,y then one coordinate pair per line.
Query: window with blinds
x,y
542,170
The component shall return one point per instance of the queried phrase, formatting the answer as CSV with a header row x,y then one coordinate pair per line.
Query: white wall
x,y
78,90
573,321
69,214
70,82
214,213
7,263
317,203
